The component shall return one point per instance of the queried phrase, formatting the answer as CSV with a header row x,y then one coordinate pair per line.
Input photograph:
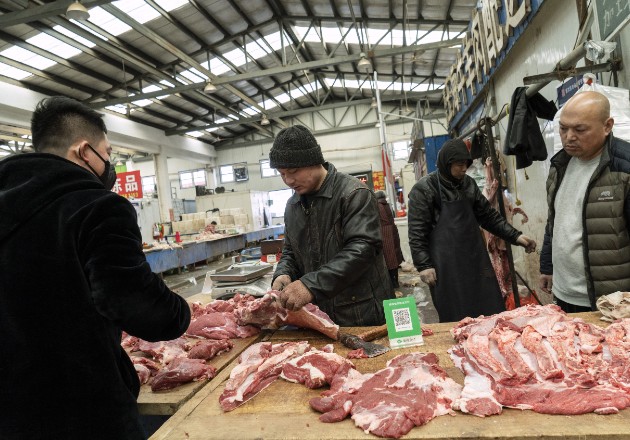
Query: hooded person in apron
x,y
446,209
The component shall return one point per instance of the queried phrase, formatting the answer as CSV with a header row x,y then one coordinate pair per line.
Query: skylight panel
x,y
107,21
210,130
170,5
166,83
137,9
118,108
53,45
154,88
75,37
195,133
194,75
27,57
142,102
217,67
251,111
12,72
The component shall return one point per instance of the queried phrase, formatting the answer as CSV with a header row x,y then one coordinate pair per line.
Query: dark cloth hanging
x,y
523,138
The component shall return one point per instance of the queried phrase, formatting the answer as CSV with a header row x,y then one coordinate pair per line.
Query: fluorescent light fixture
x,y
264,120
76,11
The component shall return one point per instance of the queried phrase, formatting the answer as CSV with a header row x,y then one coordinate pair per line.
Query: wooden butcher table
x,y
281,411
166,403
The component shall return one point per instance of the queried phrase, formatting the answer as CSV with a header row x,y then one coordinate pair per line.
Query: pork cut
x,y
164,351
541,359
259,366
267,313
410,391
219,325
145,367
182,370
207,349
315,368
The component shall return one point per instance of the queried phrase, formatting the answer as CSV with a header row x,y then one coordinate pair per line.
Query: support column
x,y
163,186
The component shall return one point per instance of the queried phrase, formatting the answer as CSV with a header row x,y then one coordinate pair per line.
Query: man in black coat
x,y
332,254
446,209
72,277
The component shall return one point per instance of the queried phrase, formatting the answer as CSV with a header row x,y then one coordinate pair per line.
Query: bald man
x,y
586,251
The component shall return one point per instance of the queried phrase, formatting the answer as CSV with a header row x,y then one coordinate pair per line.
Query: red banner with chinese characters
x,y
129,185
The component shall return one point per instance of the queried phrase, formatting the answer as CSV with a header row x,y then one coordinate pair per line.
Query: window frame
x,y
274,172
193,175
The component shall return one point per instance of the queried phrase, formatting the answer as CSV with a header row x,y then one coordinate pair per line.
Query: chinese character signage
x,y
129,185
494,28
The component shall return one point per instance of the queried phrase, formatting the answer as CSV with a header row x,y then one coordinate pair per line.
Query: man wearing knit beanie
x,y
446,209
332,253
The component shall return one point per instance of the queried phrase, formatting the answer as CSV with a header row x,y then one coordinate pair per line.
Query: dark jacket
x,y
425,204
389,233
72,276
523,138
334,247
605,220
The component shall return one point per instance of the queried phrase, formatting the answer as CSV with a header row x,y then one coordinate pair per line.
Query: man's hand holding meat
x,y
281,282
295,295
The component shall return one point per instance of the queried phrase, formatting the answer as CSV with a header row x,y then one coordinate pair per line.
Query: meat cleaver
x,y
362,341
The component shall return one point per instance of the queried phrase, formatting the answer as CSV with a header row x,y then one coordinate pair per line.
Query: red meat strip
x,y
219,325
182,370
267,313
410,391
558,364
258,367
315,368
210,348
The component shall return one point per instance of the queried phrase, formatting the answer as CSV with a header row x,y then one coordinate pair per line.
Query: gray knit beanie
x,y
295,147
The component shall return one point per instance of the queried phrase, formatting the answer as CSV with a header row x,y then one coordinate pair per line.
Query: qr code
x,y
402,320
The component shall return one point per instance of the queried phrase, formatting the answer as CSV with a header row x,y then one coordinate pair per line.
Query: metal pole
x,y
390,187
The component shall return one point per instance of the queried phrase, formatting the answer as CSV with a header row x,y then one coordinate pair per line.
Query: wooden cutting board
x,y
282,412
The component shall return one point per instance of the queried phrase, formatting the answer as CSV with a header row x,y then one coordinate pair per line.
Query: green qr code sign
x,y
403,323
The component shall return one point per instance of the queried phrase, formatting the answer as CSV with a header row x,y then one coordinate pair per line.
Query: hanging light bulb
x,y
76,11
209,88
364,62
264,120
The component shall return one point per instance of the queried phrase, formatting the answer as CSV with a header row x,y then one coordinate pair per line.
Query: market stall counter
x,y
282,411
168,257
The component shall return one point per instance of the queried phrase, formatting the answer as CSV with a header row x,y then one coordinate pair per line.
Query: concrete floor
x,y
190,282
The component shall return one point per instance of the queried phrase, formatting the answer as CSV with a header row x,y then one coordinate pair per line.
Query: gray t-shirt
x,y
569,273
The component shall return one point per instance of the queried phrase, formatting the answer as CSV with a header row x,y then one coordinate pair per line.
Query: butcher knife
x,y
362,341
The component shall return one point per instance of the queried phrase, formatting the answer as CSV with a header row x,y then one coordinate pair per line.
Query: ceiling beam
x,y
374,20
277,70
299,111
36,13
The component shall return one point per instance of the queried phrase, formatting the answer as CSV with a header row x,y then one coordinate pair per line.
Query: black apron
x,y
466,282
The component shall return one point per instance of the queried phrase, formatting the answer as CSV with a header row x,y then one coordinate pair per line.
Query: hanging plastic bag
x,y
619,110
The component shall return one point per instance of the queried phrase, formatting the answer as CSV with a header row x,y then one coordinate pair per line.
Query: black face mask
x,y
108,178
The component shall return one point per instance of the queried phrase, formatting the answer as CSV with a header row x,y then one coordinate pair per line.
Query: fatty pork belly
x,y
539,358
259,366
410,391
267,313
